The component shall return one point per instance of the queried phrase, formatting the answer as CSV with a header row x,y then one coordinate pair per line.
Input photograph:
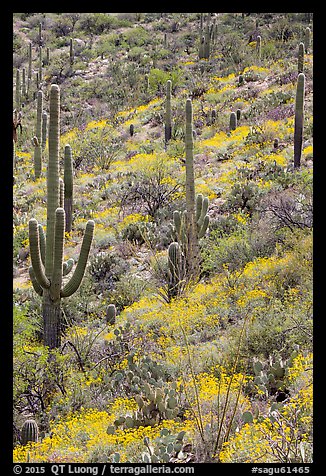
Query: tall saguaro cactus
x,y
300,58
298,119
48,268
68,186
30,61
18,90
168,120
40,73
38,135
192,248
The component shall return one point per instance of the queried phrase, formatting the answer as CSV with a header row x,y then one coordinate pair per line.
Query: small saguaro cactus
x,y
276,143
47,266
233,121
298,119
48,56
258,47
168,120
18,90
68,186
175,262
238,113
29,432
71,52
29,61
111,314
38,135
201,47
24,86
213,116
307,39
300,58
131,130
40,33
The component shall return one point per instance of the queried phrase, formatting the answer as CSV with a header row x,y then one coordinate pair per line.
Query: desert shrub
x,y
127,291
105,269
244,196
234,251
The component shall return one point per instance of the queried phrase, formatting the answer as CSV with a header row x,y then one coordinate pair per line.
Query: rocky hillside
x,y
162,233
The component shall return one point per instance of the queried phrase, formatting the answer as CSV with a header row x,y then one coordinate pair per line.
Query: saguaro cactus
x,y
207,43
307,39
175,262
71,52
44,128
24,86
258,47
202,220
18,90
40,33
168,120
300,58
29,432
48,268
29,61
40,73
68,186
131,130
111,314
298,119
38,135
233,121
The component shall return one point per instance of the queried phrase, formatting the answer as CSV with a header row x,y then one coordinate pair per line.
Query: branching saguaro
x,y
47,266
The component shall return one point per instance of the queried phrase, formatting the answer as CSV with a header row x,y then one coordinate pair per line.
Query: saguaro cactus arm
x,y
37,288
298,119
34,243
73,284
42,242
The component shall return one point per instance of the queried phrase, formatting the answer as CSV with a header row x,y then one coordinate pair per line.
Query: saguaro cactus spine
x,y
168,120
298,119
68,187
300,58
48,268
